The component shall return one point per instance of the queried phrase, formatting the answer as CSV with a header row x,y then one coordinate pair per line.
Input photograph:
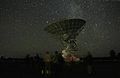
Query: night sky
x,y
22,24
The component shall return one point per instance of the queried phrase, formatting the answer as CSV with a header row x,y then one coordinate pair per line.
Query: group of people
x,y
56,63
53,64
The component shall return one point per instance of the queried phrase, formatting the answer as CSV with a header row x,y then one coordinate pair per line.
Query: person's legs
x,y
89,68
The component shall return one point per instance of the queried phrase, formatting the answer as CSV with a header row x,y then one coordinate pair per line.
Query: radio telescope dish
x,y
66,31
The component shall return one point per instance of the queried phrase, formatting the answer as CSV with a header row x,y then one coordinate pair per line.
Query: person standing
x,y
58,62
89,62
47,60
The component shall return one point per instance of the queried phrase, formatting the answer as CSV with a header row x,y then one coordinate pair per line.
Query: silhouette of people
x,y
2,58
112,55
88,61
58,62
47,60
37,62
55,63
27,58
36,57
61,62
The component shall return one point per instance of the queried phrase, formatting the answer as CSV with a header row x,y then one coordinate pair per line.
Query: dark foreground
x,y
21,69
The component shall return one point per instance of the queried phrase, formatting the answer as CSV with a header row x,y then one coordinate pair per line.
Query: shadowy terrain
x,y
105,67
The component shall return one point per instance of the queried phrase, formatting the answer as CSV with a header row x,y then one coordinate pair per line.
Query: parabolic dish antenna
x,y
66,31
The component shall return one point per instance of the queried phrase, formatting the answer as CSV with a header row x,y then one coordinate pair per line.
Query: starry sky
x,y
22,24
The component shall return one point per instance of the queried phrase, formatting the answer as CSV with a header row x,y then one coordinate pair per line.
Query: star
x,y
109,22
47,22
